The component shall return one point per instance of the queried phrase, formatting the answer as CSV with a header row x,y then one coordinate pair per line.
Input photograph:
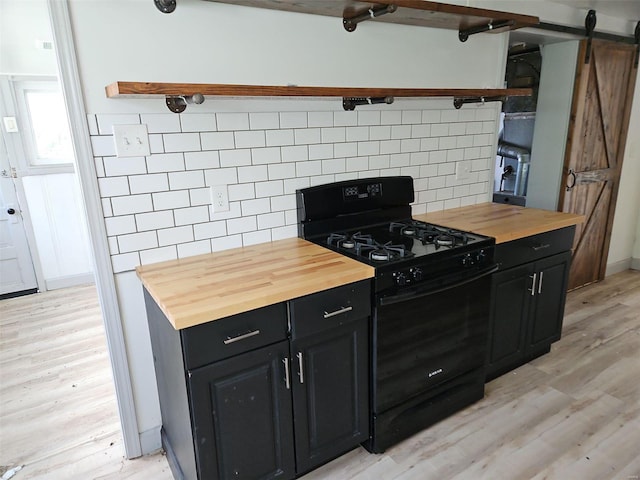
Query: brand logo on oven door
x,y
435,372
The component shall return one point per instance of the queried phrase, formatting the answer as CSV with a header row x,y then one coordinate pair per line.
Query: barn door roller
x,y
590,26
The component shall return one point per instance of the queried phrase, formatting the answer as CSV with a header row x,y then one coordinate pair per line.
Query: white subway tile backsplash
x,y
191,215
198,122
125,262
120,225
294,153
319,152
258,173
241,225
232,121
278,138
271,220
320,119
226,243
221,176
150,183
262,156
103,146
161,122
242,191
264,121
186,180
201,160
250,139
210,229
269,189
253,238
170,200
235,158
194,248
175,235
113,186
165,162
154,220
280,170
306,136
217,141
156,255
137,241
181,142
293,120
131,204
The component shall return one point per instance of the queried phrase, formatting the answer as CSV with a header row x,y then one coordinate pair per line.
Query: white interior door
x,y
16,266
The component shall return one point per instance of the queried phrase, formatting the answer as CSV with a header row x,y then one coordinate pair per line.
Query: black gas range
x,y
430,301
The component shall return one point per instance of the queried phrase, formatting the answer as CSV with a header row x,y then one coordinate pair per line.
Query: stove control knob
x,y
401,278
468,260
417,274
481,257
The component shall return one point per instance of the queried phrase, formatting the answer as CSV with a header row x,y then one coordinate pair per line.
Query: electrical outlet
x,y
463,170
131,140
220,198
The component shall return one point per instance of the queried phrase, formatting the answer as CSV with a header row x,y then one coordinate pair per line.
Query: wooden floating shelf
x,y
155,89
408,12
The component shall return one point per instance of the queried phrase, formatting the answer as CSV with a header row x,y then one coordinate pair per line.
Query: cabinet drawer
x,y
534,247
233,335
330,308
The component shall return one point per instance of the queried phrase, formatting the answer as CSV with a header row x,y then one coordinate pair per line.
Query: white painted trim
x,y
150,440
69,281
70,83
618,267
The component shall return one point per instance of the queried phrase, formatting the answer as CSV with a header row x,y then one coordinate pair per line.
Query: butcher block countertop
x,y
199,289
502,221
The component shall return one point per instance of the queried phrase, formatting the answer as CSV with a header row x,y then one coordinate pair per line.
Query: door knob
x,y
11,211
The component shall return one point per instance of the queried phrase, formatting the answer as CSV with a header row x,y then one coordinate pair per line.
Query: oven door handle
x,y
417,293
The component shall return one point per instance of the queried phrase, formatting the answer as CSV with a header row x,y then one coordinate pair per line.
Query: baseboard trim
x,y
150,441
69,281
618,267
635,263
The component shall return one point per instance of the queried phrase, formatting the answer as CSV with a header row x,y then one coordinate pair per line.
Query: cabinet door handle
x,y
533,284
540,283
300,367
287,382
241,337
337,312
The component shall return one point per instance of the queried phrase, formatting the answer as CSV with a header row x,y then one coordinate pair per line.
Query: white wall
x,y
155,207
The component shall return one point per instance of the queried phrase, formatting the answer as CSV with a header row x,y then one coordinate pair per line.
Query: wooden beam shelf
x,y
178,95
467,20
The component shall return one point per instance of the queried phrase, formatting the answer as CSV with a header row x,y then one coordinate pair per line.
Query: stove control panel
x,y
471,259
362,191
408,276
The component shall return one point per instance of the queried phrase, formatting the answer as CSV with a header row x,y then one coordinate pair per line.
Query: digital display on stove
x,y
359,192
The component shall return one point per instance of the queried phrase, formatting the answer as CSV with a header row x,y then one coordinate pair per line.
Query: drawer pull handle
x,y
541,247
540,283
337,312
286,373
533,284
300,367
241,337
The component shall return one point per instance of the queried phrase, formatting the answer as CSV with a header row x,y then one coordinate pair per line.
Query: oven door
x,y
428,335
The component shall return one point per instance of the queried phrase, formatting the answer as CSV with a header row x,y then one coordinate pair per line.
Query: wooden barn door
x,y
595,147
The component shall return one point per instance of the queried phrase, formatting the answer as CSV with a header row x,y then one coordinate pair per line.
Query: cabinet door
x,y
241,413
510,300
551,291
330,393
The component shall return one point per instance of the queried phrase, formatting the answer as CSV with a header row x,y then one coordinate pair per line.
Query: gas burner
x,y
405,228
348,244
382,253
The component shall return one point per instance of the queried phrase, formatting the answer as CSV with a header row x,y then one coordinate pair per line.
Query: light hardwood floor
x,y
572,414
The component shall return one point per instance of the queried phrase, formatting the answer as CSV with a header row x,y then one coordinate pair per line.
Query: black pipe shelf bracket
x,y
178,103
459,101
350,103
351,23
463,35
165,6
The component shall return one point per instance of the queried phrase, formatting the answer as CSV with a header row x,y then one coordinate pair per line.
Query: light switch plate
x,y
131,140
463,170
